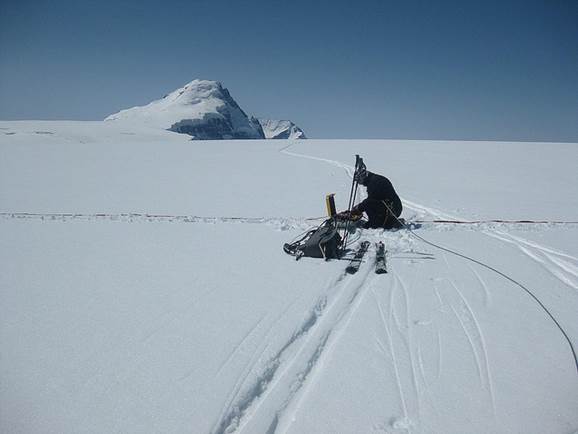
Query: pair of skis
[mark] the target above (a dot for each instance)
(380, 262)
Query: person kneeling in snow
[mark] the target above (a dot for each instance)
(382, 206)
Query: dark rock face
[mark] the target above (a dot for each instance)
(207, 128)
(228, 122)
(281, 129)
(215, 127)
(257, 125)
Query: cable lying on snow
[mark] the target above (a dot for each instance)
(489, 267)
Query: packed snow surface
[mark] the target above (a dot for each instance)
(144, 288)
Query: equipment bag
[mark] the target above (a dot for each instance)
(321, 242)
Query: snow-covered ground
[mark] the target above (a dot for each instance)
(144, 288)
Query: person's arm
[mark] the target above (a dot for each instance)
(359, 208)
(356, 211)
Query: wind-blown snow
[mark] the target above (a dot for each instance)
(144, 288)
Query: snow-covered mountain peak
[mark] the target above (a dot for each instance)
(203, 109)
(196, 91)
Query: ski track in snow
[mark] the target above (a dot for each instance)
(232, 412)
(473, 332)
(386, 327)
(403, 352)
(238, 401)
(343, 319)
(440, 354)
(429, 211)
(336, 320)
(350, 170)
(406, 333)
(487, 294)
(562, 266)
(278, 384)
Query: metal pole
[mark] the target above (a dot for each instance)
(352, 195)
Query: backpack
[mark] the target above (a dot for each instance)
(321, 242)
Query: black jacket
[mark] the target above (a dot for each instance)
(379, 188)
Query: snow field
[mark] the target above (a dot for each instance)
(147, 291)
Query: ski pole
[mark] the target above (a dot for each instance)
(352, 194)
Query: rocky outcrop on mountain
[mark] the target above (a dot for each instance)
(281, 129)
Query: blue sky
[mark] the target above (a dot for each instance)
(496, 70)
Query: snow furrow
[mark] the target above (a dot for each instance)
(434, 212)
(440, 354)
(473, 332)
(286, 372)
(400, 351)
(541, 247)
(487, 294)
(549, 259)
(477, 332)
(289, 390)
(231, 412)
(346, 167)
(393, 357)
(408, 344)
(471, 342)
(237, 408)
(464, 323)
(421, 365)
(333, 327)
